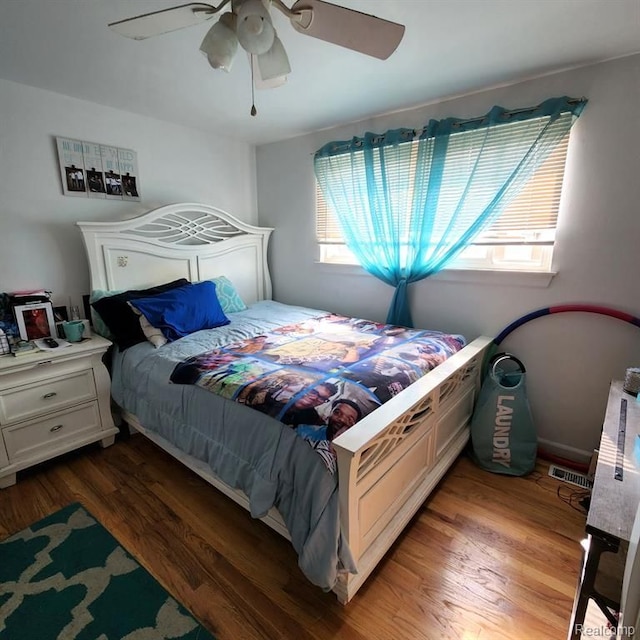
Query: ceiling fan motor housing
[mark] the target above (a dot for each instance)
(254, 27)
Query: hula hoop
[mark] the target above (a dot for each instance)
(563, 308)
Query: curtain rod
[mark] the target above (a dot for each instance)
(419, 132)
(512, 112)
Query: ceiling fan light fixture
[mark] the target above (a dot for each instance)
(254, 27)
(221, 43)
(274, 64)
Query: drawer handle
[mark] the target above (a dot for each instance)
(44, 362)
(46, 396)
(56, 428)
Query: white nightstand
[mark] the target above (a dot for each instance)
(52, 402)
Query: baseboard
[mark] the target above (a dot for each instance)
(564, 451)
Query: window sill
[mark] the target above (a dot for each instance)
(537, 279)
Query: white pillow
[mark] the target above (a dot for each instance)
(151, 333)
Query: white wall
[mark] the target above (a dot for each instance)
(570, 357)
(40, 246)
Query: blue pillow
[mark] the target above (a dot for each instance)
(181, 311)
(230, 299)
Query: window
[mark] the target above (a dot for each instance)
(521, 239)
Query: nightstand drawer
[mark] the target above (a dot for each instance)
(45, 396)
(26, 440)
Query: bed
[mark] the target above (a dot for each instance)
(387, 464)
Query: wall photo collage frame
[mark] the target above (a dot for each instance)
(94, 170)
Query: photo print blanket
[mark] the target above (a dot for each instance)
(322, 375)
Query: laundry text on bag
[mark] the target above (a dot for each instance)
(502, 431)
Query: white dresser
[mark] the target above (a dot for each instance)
(52, 402)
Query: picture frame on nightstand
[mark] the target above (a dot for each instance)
(35, 320)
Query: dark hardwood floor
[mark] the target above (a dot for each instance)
(486, 558)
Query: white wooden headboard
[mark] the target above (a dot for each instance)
(184, 240)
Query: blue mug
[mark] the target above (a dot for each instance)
(73, 330)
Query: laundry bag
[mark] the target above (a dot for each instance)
(503, 435)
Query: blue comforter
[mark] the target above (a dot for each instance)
(247, 449)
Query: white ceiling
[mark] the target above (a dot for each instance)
(450, 47)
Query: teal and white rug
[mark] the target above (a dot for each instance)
(67, 578)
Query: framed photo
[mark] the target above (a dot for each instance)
(60, 314)
(35, 320)
(71, 167)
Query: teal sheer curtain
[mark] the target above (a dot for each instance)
(409, 201)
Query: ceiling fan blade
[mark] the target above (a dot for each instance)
(348, 28)
(159, 22)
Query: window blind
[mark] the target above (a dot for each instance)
(530, 218)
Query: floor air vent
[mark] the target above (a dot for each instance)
(570, 476)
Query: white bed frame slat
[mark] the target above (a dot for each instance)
(389, 462)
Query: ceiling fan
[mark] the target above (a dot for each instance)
(249, 24)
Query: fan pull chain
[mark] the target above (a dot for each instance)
(254, 111)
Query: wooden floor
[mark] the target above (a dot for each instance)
(487, 557)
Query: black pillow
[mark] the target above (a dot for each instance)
(123, 323)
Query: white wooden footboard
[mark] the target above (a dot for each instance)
(391, 460)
